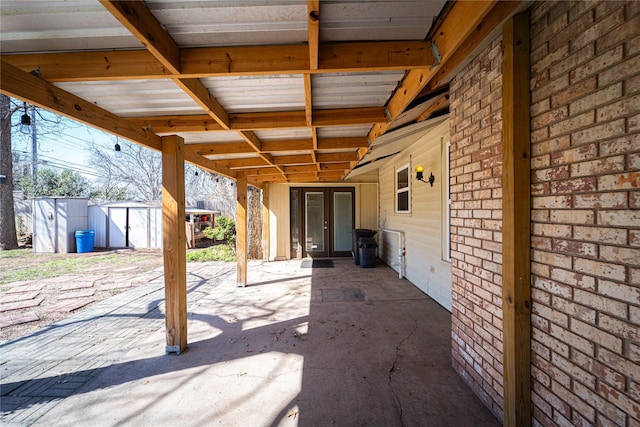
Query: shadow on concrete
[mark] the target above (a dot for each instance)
(340, 346)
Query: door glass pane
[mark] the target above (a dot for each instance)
(342, 221)
(295, 221)
(314, 221)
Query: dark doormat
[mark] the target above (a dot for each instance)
(317, 263)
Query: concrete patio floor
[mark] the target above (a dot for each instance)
(298, 346)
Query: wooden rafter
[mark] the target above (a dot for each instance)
(463, 17)
(313, 30)
(19, 84)
(433, 107)
(464, 27)
(15, 82)
(498, 14)
(137, 18)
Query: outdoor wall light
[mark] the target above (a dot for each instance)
(420, 176)
(25, 122)
(118, 150)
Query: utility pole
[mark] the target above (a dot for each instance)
(34, 143)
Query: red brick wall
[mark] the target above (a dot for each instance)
(476, 224)
(585, 125)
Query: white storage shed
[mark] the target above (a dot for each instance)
(55, 221)
(126, 225)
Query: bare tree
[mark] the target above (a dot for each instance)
(137, 168)
(44, 124)
(254, 219)
(8, 237)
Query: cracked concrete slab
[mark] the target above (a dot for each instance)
(265, 355)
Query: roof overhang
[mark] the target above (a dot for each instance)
(281, 91)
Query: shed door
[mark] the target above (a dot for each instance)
(44, 225)
(117, 228)
(138, 227)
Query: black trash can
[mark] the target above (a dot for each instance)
(367, 251)
(356, 234)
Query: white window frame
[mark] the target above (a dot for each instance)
(407, 189)
(446, 198)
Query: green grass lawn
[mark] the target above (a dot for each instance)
(24, 264)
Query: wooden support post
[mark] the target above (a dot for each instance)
(241, 229)
(266, 231)
(174, 243)
(516, 229)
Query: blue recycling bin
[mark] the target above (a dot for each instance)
(84, 241)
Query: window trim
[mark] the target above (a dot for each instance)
(403, 190)
(446, 198)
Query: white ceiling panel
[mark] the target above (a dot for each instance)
(211, 137)
(359, 20)
(343, 131)
(282, 134)
(342, 90)
(229, 23)
(136, 98)
(45, 26)
(258, 93)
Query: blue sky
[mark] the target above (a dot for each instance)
(67, 148)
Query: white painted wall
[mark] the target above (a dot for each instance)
(423, 227)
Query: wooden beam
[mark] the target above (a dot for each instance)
(342, 143)
(334, 166)
(174, 243)
(433, 107)
(171, 124)
(91, 66)
(313, 29)
(211, 165)
(241, 230)
(314, 141)
(266, 226)
(245, 60)
(196, 90)
(270, 120)
(308, 104)
(303, 145)
(219, 148)
(374, 56)
(349, 116)
(516, 222)
(246, 162)
(336, 157)
(27, 87)
(299, 159)
(463, 17)
(300, 169)
(287, 145)
(136, 17)
(494, 19)
(260, 121)
(270, 170)
(227, 61)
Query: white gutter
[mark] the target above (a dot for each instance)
(401, 250)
